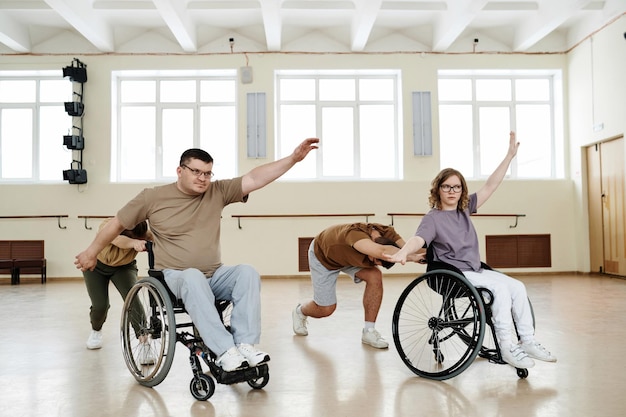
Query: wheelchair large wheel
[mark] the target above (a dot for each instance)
(439, 324)
(148, 331)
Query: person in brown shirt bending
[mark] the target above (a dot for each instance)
(356, 249)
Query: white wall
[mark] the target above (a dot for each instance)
(551, 206)
(597, 95)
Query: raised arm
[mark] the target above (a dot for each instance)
(86, 260)
(262, 175)
(494, 180)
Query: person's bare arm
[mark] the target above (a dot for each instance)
(494, 180)
(262, 175)
(411, 251)
(126, 242)
(373, 249)
(86, 260)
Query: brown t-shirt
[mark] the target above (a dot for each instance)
(186, 228)
(334, 246)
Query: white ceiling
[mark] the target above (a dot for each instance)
(206, 26)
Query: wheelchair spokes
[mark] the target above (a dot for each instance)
(437, 325)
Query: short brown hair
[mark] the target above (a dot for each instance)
(140, 231)
(386, 241)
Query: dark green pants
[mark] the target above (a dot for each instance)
(97, 282)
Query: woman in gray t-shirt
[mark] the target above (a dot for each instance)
(448, 230)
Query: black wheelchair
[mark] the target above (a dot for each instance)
(440, 323)
(150, 328)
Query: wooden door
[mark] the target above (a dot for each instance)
(613, 213)
(607, 207)
(594, 201)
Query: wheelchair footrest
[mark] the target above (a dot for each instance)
(240, 375)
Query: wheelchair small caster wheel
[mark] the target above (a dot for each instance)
(260, 382)
(202, 387)
(522, 373)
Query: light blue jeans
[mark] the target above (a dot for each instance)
(240, 284)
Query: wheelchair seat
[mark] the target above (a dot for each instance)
(151, 324)
(440, 323)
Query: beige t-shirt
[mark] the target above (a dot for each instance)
(186, 229)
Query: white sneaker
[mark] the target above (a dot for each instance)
(145, 355)
(516, 357)
(253, 356)
(299, 322)
(231, 360)
(373, 338)
(536, 351)
(95, 340)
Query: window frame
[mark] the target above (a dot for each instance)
(35, 106)
(198, 76)
(320, 105)
(555, 102)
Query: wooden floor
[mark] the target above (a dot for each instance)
(45, 369)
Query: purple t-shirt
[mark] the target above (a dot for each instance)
(452, 236)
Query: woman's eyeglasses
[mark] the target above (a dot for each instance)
(446, 188)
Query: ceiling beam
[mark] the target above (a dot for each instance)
(176, 17)
(272, 23)
(549, 17)
(79, 14)
(13, 35)
(454, 21)
(363, 22)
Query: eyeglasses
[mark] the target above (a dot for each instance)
(197, 172)
(446, 188)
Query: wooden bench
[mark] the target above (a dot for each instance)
(6, 261)
(22, 257)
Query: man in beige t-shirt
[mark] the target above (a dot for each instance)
(185, 218)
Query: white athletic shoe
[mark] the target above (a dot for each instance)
(253, 356)
(231, 360)
(95, 340)
(373, 338)
(299, 322)
(536, 351)
(145, 355)
(516, 357)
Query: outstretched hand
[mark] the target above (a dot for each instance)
(396, 258)
(85, 262)
(513, 144)
(304, 148)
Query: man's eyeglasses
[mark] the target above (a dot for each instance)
(197, 172)
(454, 188)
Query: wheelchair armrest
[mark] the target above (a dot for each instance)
(156, 273)
(485, 266)
(431, 266)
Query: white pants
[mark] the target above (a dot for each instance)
(240, 284)
(510, 303)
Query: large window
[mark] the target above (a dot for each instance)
(354, 113)
(478, 109)
(160, 114)
(32, 124)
